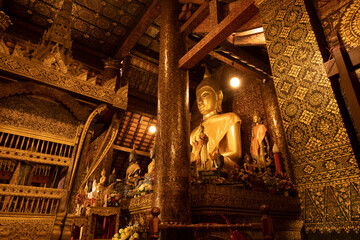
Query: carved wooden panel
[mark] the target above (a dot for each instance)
(29, 228)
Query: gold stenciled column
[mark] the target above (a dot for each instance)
(172, 166)
(275, 125)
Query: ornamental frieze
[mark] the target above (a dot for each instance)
(30, 70)
(30, 228)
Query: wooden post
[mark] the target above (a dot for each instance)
(154, 224)
(267, 224)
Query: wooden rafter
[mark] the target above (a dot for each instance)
(199, 15)
(186, 11)
(191, 1)
(146, 20)
(227, 26)
(246, 56)
(249, 40)
(136, 131)
(214, 12)
(126, 149)
(146, 131)
(238, 65)
(151, 140)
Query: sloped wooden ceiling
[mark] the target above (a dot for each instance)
(133, 132)
(98, 24)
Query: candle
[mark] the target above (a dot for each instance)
(277, 159)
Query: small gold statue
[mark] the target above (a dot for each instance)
(260, 146)
(151, 165)
(218, 133)
(102, 179)
(112, 177)
(133, 171)
(248, 165)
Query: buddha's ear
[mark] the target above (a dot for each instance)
(220, 97)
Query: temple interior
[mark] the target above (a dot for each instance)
(179, 119)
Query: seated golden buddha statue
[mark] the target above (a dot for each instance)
(218, 133)
(133, 171)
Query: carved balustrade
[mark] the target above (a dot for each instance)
(20, 147)
(29, 200)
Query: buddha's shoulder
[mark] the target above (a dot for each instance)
(230, 115)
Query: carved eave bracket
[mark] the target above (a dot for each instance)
(5, 21)
(25, 69)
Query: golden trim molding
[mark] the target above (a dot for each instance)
(29, 191)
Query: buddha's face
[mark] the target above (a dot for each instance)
(256, 119)
(206, 100)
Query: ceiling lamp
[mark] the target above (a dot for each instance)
(152, 129)
(235, 82)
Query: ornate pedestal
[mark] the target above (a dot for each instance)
(103, 212)
(81, 222)
(215, 204)
(136, 210)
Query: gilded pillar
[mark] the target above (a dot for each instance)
(172, 167)
(325, 168)
(274, 123)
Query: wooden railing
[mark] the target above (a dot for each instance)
(29, 200)
(266, 225)
(35, 150)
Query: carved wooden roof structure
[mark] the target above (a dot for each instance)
(112, 28)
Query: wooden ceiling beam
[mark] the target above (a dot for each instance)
(192, 1)
(129, 150)
(136, 104)
(146, 20)
(227, 26)
(246, 56)
(249, 40)
(186, 12)
(199, 15)
(214, 15)
(238, 65)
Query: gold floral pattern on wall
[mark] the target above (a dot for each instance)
(324, 165)
(350, 25)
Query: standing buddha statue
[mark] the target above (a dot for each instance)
(151, 166)
(260, 147)
(218, 133)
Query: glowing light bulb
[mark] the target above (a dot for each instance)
(152, 129)
(235, 82)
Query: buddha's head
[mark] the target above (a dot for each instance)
(209, 96)
(257, 118)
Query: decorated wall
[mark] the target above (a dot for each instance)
(324, 165)
(343, 18)
(30, 112)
